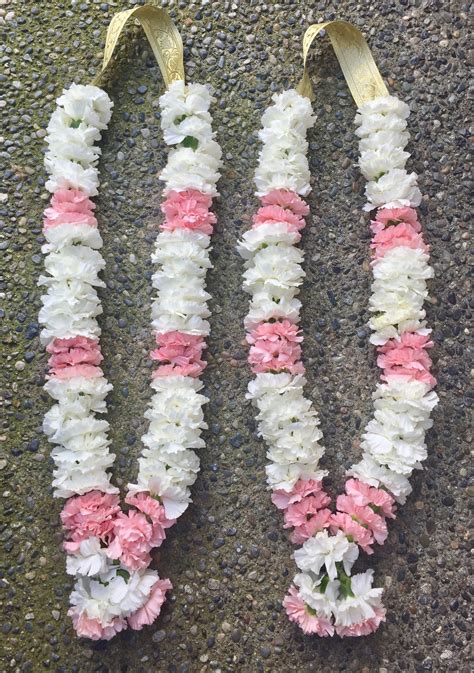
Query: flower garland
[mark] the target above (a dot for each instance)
(325, 598)
(109, 549)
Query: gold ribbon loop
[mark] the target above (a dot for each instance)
(162, 35)
(354, 56)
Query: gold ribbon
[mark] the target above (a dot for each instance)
(354, 56)
(162, 35)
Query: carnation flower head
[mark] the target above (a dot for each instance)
(77, 350)
(363, 494)
(398, 235)
(285, 198)
(180, 353)
(188, 209)
(353, 530)
(155, 512)
(90, 515)
(150, 611)
(275, 347)
(300, 490)
(318, 522)
(387, 217)
(87, 627)
(365, 516)
(299, 513)
(269, 214)
(70, 206)
(132, 542)
(303, 615)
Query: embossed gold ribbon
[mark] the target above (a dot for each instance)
(354, 56)
(162, 35)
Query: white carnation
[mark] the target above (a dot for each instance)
(264, 235)
(324, 550)
(66, 174)
(309, 590)
(86, 103)
(275, 267)
(90, 559)
(70, 234)
(394, 189)
(374, 163)
(362, 604)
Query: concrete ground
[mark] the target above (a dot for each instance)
(228, 557)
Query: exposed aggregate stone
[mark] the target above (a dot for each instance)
(228, 557)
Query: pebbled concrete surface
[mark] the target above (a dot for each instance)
(229, 558)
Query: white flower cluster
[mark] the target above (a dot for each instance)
(341, 599)
(182, 257)
(382, 129)
(273, 276)
(168, 466)
(340, 608)
(71, 304)
(81, 454)
(288, 423)
(186, 122)
(398, 293)
(116, 594)
(75, 126)
(394, 440)
(283, 162)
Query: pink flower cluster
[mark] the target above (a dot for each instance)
(305, 509)
(70, 206)
(77, 356)
(282, 205)
(129, 537)
(407, 356)
(188, 210)
(180, 352)
(275, 346)
(394, 227)
(361, 512)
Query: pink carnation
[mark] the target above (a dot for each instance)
(132, 541)
(155, 513)
(300, 490)
(149, 612)
(364, 628)
(364, 515)
(399, 235)
(299, 513)
(353, 530)
(272, 214)
(362, 494)
(77, 350)
(304, 616)
(275, 347)
(92, 628)
(188, 210)
(69, 206)
(90, 515)
(398, 358)
(88, 371)
(180, 352)
(315, 524)
(393, 216)
(286, 199)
